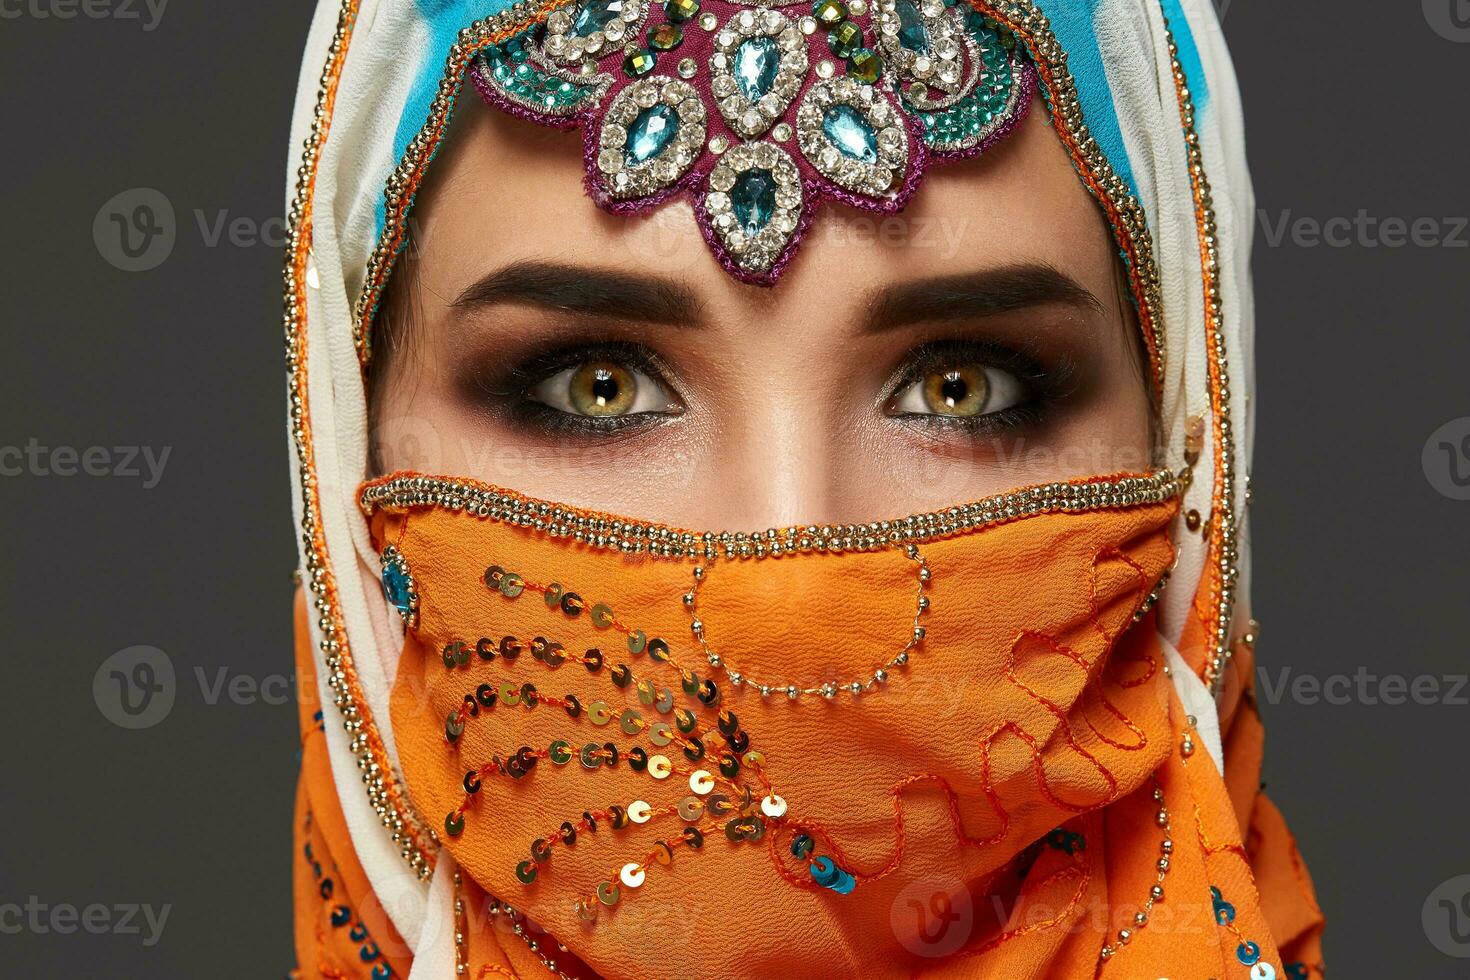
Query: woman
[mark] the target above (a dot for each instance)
(979, 703)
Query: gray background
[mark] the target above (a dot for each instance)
(1359, 561)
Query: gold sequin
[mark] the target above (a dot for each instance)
(608, 893)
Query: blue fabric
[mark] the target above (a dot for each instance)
(1072, 23)
(1189, 59)
(445, 19)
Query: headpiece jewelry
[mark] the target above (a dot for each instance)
(761, 112)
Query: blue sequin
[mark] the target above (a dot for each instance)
(1224, 911)
(850, 133)
(651, 131)
(756, 63)
(753, 199)
(826, 873)
(1248, 953)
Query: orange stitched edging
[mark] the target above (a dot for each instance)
(416, 159)
(297, 357)
(1222, 495)
(1142, 296)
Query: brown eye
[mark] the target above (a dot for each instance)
(964, 391)
(959, 391)
(603, 389)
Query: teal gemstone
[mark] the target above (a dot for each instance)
(753, 199)
(912, 32)
(651, 131)
(850, 132)
(396, 586)
(756, 63)
(594, 15)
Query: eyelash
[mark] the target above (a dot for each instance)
(1044, 387)
(512, 388)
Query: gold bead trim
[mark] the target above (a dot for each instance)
(598, 530)
(1125, 212)
(1156, 890)
(367, 746)
(1221, 525)
(403, 183)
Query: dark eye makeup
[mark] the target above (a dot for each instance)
(597, 388)
(975, 386)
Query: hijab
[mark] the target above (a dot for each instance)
(1142, 94)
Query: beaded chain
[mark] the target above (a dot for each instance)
(1156, 891)
(494, 908)
(828, 689)
(835, 878)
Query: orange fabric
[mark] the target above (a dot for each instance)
(1033, 703)
(341, 928)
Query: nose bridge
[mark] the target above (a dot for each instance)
(778, 461)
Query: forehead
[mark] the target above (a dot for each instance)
(505, 190)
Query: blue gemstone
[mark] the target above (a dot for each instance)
(756, 63)
(912, 32)
(753, 199)
(594, 15)
(396, 587)
(651, 131)
(850, 132)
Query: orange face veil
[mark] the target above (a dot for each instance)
(1058, 777)
(626, 745)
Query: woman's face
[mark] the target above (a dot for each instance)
(976, 342)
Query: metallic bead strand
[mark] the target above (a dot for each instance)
(828, 689)
(1156, 892)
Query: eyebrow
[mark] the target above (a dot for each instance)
(969, 295)
(588, 291)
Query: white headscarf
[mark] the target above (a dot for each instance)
(378, 82)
